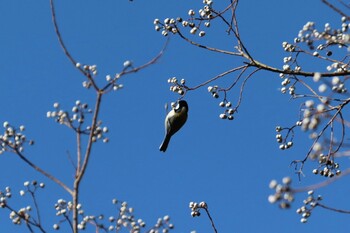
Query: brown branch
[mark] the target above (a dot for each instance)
(59, 37)
(263, 66)
(80, 173)
(91, 136)
(78, 167)
(258, 64)
(65, 50)
(51, 177)
(232, 5)
(243, 52)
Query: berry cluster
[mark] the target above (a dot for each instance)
(62, 207)
(285, 84)
(309, 204)
(113, 81)
(79, 112)
(76, 119)
(162, 224)
(24, 213)
(91, 72)
(92, 69)
(311, 119)
(213, 90)
(195, 208)
(312, 114)
(286, 141)
(337, 85)
(13, 139)
(194, 23)
(289, 63)
(4, 195)
(31, 187)
(178, 87)
(283, 193)
(229, 111)
(65, 208)
(124, 219)
(318, 44)
(327, 168)
(310, 35)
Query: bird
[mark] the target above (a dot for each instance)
(174, 120)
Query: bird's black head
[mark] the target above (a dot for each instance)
(183, 104)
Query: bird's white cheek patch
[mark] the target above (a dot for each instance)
(177, 106)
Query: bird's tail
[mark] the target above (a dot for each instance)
(165, 143)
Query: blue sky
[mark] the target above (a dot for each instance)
(228, 164)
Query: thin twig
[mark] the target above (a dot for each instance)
(339, 109)
(218, 76)
(242, 48)
(154, 60)
(211, 220)
(36, 206)
(237, 79)
(333, 209)
(344, 4)
(71, 160)
(78, 134)
(322, 184)
(242, 87)
(108, 87)
(207, 47)
(335, 9)
(29, 227)
(69, 221)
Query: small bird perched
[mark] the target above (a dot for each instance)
(174, 120)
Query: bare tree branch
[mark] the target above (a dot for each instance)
(66, 52)
(48, 175)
